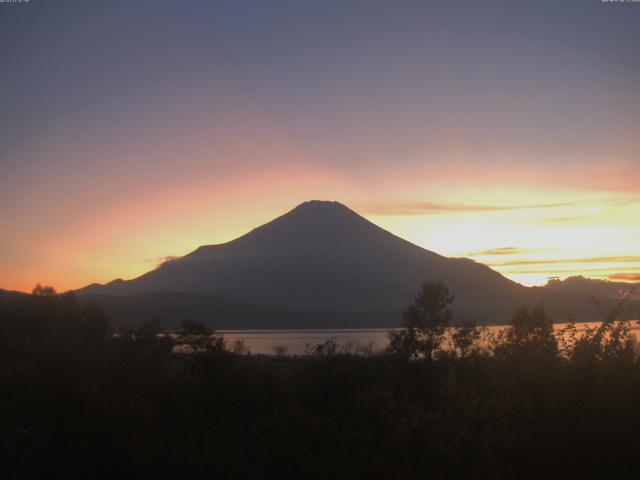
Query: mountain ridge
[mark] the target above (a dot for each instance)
(322, 256)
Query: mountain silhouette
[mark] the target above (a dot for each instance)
(319, 262)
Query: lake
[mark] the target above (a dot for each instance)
(295, 342)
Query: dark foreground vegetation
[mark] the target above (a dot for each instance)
(79, 399)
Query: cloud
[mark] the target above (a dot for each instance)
(593, 272)
(555, 261)
(625, 277)
(497, 251)
(426, 208)
(164, 260)
(564, 220)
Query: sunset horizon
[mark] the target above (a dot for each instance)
(486, 131)
(524, 256)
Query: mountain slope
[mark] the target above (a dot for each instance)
(321, 255)
(319, 262)
(220, 313)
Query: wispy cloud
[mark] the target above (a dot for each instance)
(160, 261)
(625, 277)
(563, 220)
(591, 272)
(497, 251)
(427, 208)
(555, 261)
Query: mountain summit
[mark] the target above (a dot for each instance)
(312, 224)
(319, 260)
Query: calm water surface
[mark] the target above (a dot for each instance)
(295, 342)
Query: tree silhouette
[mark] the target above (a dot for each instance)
(424, 323)
(466, 339)
(44, 291)
(199, 337)
(530, 334)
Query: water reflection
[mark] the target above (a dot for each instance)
(296, 342)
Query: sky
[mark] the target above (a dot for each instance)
(504, 131)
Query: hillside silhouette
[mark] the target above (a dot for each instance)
(85, 399)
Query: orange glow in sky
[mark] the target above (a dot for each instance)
(572, 233)
(501, 134)
(116, 211)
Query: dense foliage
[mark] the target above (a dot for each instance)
(80, 399)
